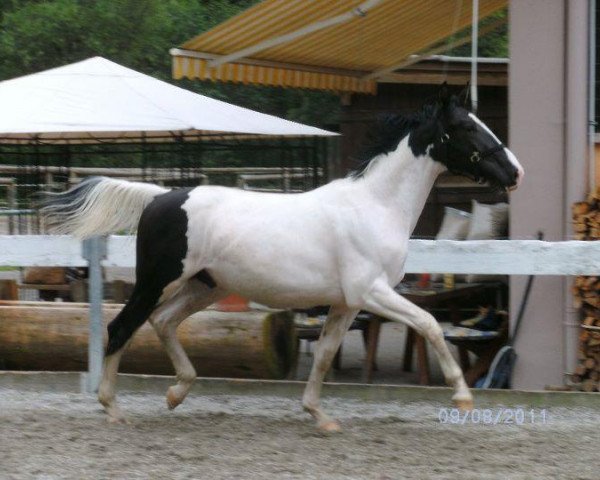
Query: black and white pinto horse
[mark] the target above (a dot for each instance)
(343, 244)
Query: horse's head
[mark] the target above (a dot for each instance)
(465, 145)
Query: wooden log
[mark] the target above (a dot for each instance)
(594, 342)
(45, 275)
(9, 290)
(580, 370)
(580, 208)
(589, 385)
(586, 294)
(589, 363)
(54, 336)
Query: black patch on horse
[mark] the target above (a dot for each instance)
(160, 249)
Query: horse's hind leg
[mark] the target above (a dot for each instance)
(161, 249)
(120, 330)
(337, 324)
(194, 296)
(106, 390)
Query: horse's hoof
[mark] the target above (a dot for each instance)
(330, 427)
(465, 405)
(122, 420)
(172, 398)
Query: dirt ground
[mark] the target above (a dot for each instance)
(49, 436)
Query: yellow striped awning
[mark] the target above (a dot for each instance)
(336, 45)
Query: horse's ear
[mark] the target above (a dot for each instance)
(444, 94)
(463, 97)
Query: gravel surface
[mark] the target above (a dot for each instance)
(66, 436)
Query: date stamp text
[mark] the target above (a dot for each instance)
(495, 416)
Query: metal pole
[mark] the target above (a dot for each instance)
(474, 55)
(94, 250)
(315, 162)
(592, 94)
(11, 194)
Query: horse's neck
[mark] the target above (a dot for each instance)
(402, 182)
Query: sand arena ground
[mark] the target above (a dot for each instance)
(55, 435)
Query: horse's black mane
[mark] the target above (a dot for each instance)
(386, 134)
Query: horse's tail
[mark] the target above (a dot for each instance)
(98, 206)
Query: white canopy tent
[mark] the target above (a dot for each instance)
(98, 100)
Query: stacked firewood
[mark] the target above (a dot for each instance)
(586, 218)
(586, 290)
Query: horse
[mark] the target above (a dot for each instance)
(343, 244)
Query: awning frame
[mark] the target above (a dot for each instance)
(181, 52)
(357, 12)
(274, 45)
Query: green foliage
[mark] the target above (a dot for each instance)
(493, 44)
(36, 35)
(137, 33)
(39, 34)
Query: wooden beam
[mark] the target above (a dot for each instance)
(436, 78)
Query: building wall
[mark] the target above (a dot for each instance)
(551, 151)
(359, 114)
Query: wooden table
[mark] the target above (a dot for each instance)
(425, 298)
(484, 349)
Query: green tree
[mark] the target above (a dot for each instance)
(38, 35)
(492, 44)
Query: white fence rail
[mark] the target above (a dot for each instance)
(514, 257)
(510, 257)
(507, 257)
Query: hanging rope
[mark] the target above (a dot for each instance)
(455, 20)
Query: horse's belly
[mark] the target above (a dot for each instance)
(280, 288)
(298, 299)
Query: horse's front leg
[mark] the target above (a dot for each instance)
(382, 300)
(337, 324)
